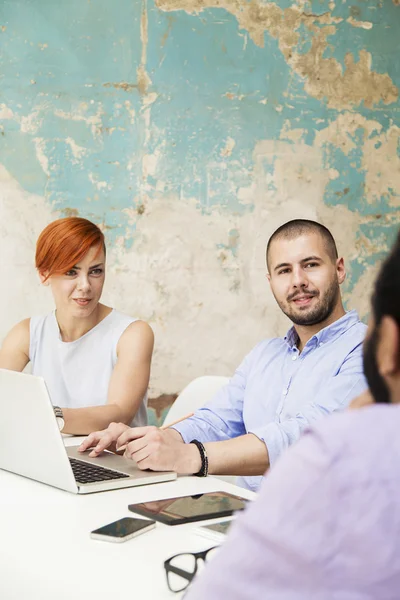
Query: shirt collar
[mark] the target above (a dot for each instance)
(327, 334)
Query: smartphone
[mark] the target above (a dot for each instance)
(122, 530)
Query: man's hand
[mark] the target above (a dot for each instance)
(159, 450)
(102, 440)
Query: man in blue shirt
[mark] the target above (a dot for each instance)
(326, 524)
(282, 385)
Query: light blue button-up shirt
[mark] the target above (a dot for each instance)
(277, 391)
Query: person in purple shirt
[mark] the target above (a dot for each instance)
(282, 385)
(326, 524)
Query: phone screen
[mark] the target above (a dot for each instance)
(123, 527)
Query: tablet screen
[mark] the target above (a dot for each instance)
(174, 511)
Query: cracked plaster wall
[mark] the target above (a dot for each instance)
(190, 130)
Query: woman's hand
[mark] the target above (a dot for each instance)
(102, 440)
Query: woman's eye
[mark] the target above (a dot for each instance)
(96, 272)
(70, 273)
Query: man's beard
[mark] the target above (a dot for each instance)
(376, 383)
(320, 313)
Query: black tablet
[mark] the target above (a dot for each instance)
(176, 511)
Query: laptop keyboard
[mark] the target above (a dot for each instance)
(87, 473)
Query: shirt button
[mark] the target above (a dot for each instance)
(294, 357)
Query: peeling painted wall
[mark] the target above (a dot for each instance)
(190, 130)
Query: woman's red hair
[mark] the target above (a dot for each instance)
(64, 243)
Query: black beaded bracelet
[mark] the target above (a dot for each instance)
(204, 460)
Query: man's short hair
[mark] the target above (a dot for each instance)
(298, 227)
(386, 295)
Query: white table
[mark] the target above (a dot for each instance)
(46, 552)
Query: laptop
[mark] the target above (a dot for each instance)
(32, 445)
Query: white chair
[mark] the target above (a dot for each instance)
(194, 396)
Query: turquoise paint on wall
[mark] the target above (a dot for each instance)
(81, 126)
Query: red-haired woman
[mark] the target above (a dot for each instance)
(94, 359)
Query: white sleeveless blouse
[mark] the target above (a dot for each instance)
(77, 374)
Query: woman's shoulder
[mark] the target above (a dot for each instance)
(20, 331)
(137, 334)
(14, 352)
(37, 322)
(129, 332)
(129, 325)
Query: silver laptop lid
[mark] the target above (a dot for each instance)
(30, 441)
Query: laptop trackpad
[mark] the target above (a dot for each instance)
(108, 460)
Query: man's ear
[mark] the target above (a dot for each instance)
(388, 351)
(44, 277)
(268, 277)
(341, 270)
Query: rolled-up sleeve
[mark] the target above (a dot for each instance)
(335, 394)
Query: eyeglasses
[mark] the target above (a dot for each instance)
(181, 568)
